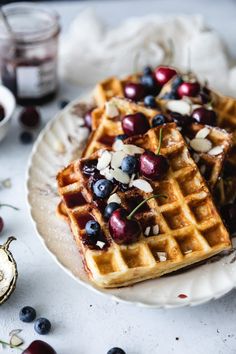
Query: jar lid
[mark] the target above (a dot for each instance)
(29, 23)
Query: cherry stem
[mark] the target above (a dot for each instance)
(11, 346)
(143, 202)
(9, 206)
(160, 141)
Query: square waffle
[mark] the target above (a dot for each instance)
(190, 228)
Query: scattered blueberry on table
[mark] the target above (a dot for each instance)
(42, 326)
(27, 314)
(26, 137)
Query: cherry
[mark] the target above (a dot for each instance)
(153, 166)
(228, 212)
(2, 113)
(122, 229)
(1, 224)
(134, 91)
(134, 124)
(30, 117)
(204, 116)
(88, 118)
(163, 74)
(39, 347)
(190, 89)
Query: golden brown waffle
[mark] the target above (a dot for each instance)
(190, 227)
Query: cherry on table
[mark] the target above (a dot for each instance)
(134, 91)
(204, 116)
(163, 74)
(134, 124)
(189, 89)
(39, 347)
(30, 117)
(153, 166)
(122, 229)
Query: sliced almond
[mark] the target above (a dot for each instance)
(120, 176)
(114, 198)
(215, 151)
(162, 256)
(132, 149)
(201, 134)
(188, 251)
(118, 145)
(117, 158)
(147, 231)
(100, 244)
(131, 180)
(111, 109)
(15, 341)
(178, 106)
(143, 185)
(104, 160)
(201, 145)
(107, 173)
(156, 229)
(196, 157)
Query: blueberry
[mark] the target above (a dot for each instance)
(150, 101)
(150, 84)
(42, 326)
(176, 82)
(147, 70)
(129, 164)
(109, 209)
(159, 119)
(116, 351)
(26, 137)
(92, 228)
(63, 103)
(102, 188)
(179, 119)
(121, 137)
(27, 314)
(170, 96)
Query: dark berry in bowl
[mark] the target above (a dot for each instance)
(26, 137)
(92, 228)
(30, 117)
(110, 208)
(157, 120)
(39, 347)
(102, 188)
(130, 164)
(150, 101)
(116, 350)
(134, 91)
(27, 314)
(42, 326)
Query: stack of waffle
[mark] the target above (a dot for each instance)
(177, 231)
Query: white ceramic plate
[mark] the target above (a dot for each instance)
(60, 142)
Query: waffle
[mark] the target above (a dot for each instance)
(190, 227)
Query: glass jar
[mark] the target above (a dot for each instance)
(28, 53)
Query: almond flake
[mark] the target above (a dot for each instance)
(104, 160)
(215, 151)
(142, 185)
(100, 244)
(155, 229)
(111, 109)
(147, 231)
(107, 173)
(162, 256)
(118, 145)
(15, 341)
(187, 252)
(114, 198)
(117, 158)
(178, 106)
(201, 134)
(201, 145)
(120, 176)
(131, 179)
(196, 157)
(132, 149)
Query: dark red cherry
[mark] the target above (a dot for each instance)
(163, 74)
(134, 91)
(134, 124)
(228, 212)
(39, 347)
(190, 89)
(153, 166)
(122, 229)
(204, 116)
(30, 117)
(88, 118)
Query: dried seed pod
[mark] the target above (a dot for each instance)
(8, 271)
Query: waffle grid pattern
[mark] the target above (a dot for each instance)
(190, 227)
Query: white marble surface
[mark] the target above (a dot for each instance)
(84, 322)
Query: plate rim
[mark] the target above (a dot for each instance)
(185, 303)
